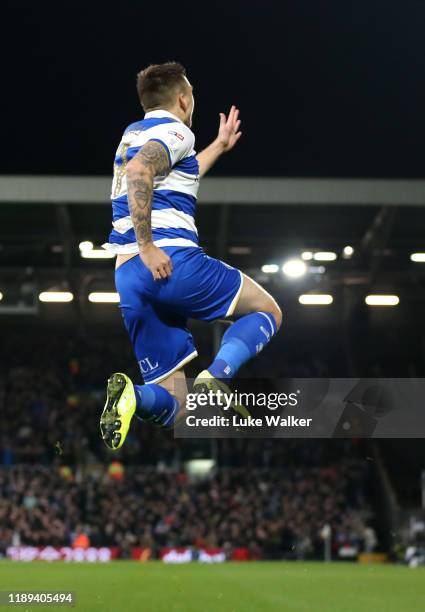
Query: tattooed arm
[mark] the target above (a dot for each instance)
(150, 161)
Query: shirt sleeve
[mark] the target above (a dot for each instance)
(177, 139)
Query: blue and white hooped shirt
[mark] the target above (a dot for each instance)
(174, 196)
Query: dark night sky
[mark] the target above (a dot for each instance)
(325, 87)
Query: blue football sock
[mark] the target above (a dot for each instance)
(156, 404)
(241, 342)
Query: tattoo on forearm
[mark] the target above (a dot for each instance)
(140, 188)
(140, 204)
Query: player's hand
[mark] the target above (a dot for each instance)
(156, 261)
(228, 131)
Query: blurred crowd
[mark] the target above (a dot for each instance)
(275, 513)
(273, 496)
(52, 396)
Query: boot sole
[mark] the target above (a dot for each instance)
(110, 419)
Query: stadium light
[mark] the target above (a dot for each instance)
(348, 252)
(307, 255)
(1, 296)
(56, 296)
(382, 300)
(324, 256)
(294, 268)
(270, 268)
(199, 468)
(86, 245)
(418, 257)
(316, 269)
(104, 297)
(97, 254)
(240, 250)
(315, 299)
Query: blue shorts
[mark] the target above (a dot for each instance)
(155, 312)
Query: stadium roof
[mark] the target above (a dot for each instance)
(246, 222)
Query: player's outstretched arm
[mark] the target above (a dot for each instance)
(150, 161)
(228, 135)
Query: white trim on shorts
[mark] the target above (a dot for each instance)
(177, 367)
(235, 300)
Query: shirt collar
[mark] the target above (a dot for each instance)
(155, 114)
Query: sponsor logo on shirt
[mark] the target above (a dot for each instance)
(179, 136)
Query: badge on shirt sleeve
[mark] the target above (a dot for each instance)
(177, 134)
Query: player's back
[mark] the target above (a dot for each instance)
(174, 195)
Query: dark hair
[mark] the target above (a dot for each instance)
(158, 83)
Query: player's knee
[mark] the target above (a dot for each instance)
(278, 317)
(271, 306)
(276, 312)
